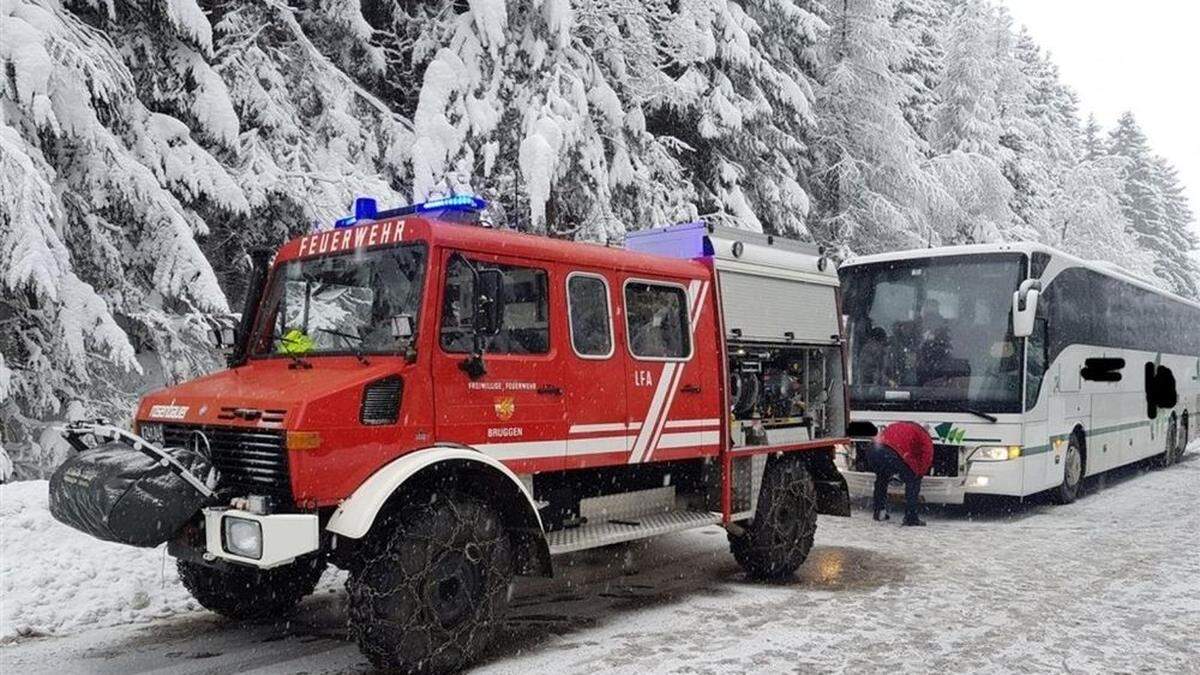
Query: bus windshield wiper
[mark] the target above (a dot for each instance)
(991, 418)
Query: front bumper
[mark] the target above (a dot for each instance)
(994, 478)
(934, 490)
(284, 536)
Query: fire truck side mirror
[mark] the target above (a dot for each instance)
(401, 326)
(489, 301)
(224, 338)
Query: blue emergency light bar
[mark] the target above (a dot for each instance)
(366, 208)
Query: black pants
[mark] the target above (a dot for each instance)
(886, 463)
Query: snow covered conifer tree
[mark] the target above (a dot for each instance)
(870, 186)
(1145, 183)
(921, 25)
(739, 105)
(1176, 264)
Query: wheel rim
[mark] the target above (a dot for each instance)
(1074, 468)
(453, 587)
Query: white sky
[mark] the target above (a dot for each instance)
(1118, 56)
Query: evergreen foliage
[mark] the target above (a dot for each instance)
(147, 146)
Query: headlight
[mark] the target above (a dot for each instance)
(243, 537)
(996, 453)
(151, 432)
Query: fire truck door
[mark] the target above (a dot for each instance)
(595, 373)
(515, 409)
(671, 390)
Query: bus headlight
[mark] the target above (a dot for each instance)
(996, 453)
(243, 537)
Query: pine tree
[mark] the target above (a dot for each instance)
(868, 179)
(1176, 265)
(1141, 197)
(921, 25)
(1092, 145)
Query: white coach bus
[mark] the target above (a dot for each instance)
(1031, 368)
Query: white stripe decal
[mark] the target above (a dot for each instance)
(595, 446)
(658, 428)
(652, 415)
(596, 428)
(696, 291)
(690, 439)
(691, 424)
(523, 450)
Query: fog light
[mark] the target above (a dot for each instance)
(243, 537)
(980, 481)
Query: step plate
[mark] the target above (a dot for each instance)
(603, 534)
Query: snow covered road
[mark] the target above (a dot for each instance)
(1110, 583)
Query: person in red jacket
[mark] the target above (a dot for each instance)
(902, 449)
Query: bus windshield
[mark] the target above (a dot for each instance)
(934, 333)
(341, 304)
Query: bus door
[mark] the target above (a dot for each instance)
(514, 409)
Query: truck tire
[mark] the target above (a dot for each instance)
(777, 540)
(1073, 470)
(433, 587)
(246, 593)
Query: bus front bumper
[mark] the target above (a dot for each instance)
(997, 478)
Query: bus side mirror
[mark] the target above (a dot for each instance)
(1024, 310)
(489, 302)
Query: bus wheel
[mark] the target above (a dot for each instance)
(246, 593)
(1170, 453)
(777, 540)
(433, 587)
(1072, 473)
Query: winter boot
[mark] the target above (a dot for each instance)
(913, 521)
(881, 515)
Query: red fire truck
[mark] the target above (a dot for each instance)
(437, 406)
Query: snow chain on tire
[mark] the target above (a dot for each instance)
(245, 593)
(433, 587)
(780, 536)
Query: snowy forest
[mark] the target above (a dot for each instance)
(147, 145)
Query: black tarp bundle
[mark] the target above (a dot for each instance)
(116, 493)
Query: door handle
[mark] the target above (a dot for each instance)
(550, 390)
(691, 389)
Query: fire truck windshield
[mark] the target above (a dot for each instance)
(934, 334)
(341, 304)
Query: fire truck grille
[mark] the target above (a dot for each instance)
(250, 461)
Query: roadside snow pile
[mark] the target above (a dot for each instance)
(55, 580)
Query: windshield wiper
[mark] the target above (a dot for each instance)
(297, 360)
(991, 418)
(358, 350)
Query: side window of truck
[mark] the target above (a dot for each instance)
(589, 315)
(525, 328)
(657, 321)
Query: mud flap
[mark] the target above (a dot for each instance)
(118, 493)
(833, 496)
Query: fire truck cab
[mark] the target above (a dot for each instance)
(436, 406)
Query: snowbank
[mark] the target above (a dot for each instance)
(55, 580)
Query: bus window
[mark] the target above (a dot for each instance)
(935, 333)
(1035, 363)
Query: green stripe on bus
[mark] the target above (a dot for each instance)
(1039, 449)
